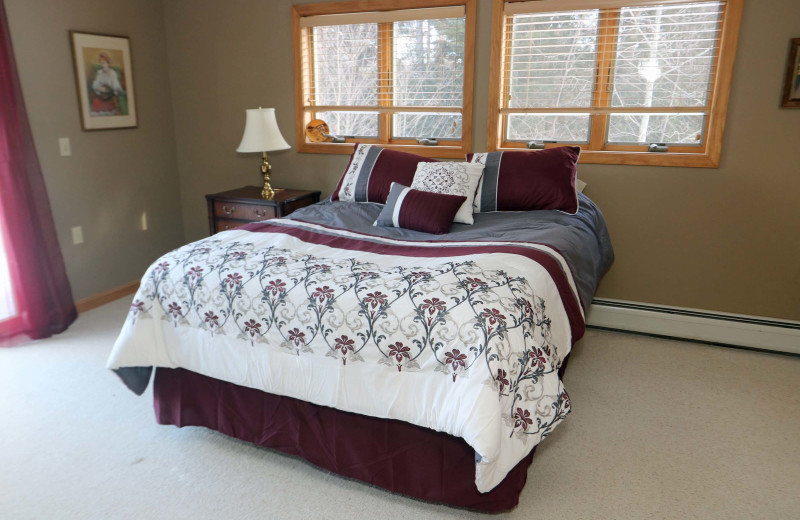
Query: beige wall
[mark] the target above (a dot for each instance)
(112, 176)
(725, 239)
(721, 239)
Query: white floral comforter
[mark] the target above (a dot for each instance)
(464, 338)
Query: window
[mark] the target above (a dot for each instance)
(386, 75)
(631, 82)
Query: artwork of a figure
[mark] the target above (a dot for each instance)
(106, 89)
(104, 75)
(791, 89)
(796, 91)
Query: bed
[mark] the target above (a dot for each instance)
(429, 365)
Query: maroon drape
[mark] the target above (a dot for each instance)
(41, 289)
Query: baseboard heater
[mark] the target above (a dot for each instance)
(718, 328)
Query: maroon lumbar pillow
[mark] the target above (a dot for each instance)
(419, 210)
(371, 172)
(528, 180)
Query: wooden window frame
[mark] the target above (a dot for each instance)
(597, 151)
(446, 149)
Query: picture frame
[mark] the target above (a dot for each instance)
(104, 79)
(791, 87)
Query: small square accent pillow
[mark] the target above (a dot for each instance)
(419, 210)
(452, 178)
(372, 170)
(523, 181)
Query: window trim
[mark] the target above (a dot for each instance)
(445, 149)
(684, 156)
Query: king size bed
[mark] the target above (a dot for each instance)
(429, 365)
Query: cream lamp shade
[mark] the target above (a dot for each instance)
(261, 133)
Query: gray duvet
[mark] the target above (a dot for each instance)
(582, 238)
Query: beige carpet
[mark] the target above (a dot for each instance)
(660, 429)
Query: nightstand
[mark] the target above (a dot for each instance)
(234, 208)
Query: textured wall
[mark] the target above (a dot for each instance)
(114, 175)
(225, 57)
(723, 239)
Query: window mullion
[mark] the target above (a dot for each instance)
(385, 66)
(505, 94)
(309, 85)
(606, 49)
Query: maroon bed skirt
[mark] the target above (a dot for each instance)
(394, 455)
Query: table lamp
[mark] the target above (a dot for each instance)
(261, 134)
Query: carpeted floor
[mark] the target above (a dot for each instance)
(659, 429)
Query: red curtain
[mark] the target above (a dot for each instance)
(39, 282)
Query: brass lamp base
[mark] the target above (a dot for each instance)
(267, 192)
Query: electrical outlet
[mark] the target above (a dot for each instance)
(143, 221)
(64, 147)
(77, 235)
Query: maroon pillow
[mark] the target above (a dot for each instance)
(528, 180)
(419, 210)
(371, 172)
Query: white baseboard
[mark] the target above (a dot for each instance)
(712, 327)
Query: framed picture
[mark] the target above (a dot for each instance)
(791, 89)
(104, 77)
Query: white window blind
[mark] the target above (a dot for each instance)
(645, 72)
(405, 66)
(398, 15)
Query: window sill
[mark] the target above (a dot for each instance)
(684, 160)
(439, 152)
(676, 159)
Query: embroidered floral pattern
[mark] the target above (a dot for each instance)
(211, 319)
(460, 318)
(442, 177)
(233, 279)
(452, 178)
(502, 379)
(456, 360)
(276, 287)
(433, 305)
(399, 352)
(375, 299)
(174, 309)
(323, 293)
(297, 337)
(522, 418)
(350, 177)
(252, 327)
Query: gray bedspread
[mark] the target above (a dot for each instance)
(582, 238)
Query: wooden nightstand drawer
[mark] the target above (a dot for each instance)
(234, 208)
(223, 224)
(297, 204)
(242, 211)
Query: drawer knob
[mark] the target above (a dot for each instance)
(228, 211)
(260, 214)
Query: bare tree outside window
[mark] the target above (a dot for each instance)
(427, 71)
(346, 74)
(552, 65)
(665, 57)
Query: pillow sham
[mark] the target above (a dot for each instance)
(452, 178)
(419, 210)
(522, 181)
(371, 171)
